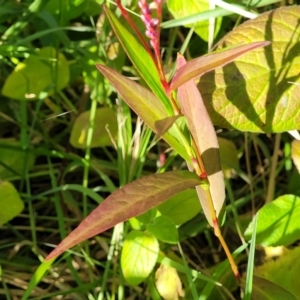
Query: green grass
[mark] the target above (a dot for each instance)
(60, 184)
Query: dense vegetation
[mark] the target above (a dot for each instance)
(68, 141)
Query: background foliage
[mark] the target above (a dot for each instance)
(67, 142)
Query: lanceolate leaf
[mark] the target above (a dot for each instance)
(253, 93)
(130, 201)
(207, 63)
(145, 104)
(206, 140)
(140, 58)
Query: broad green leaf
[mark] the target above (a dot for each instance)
(37, 76)
(278, 222)
(296, 154)
(140, 58)
(132, 200)
(266, 290)
(139, 255)
(182, 207)
(12, 161)
(284, 271)
(229, 156)
(253, 93)
(145, 104)
(209, 62)
(180, 9)
(206, 140)
(105, 127)
(168, 283)
(164, 229)
(10, 202)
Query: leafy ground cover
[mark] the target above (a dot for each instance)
(68, 140)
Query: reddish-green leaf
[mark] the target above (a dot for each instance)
(254, 92)
(207, 63)
(132, 200)
(140, 58)
(145, 104)
(206, 140)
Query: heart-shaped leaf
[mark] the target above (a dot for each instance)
(132, 200)
(34, 75)
(278, 222)
(164, 229)
(105, 128)
(139, 255)
(10, 202)
(253, 93)
(206, 140)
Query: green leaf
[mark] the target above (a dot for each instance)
(140, 58)
(14, 162)
(295, 153)
(132, 200)
(180, 9)
(37, 76)
(182, 207)
(229, 156)
(206, 140)
(105, 121)
(164, 229)
(266, 290)
(209, 62)
(139, 255)
(10, 202)
(253, 93)
(145, 104)
(283, 271)
(278, 222)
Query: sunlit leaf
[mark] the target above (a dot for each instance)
(295, 153)
(105, 128)
(209, 62)
(132, 200)
(206, 140)
(34, 76)
(278, 222)
(253, 93)
(180, 9)
(139, 255)
(10, 202)
(168, 283)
